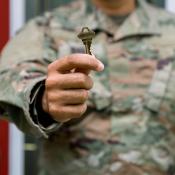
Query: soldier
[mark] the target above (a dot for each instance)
(125, 124)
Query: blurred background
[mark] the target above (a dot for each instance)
(19, 153)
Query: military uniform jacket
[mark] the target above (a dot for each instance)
(130, 125)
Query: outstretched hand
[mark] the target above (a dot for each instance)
(67, 86)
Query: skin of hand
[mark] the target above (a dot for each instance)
(67, 85)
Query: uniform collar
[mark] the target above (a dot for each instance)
(140, 22)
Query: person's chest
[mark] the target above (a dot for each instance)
(131, 64)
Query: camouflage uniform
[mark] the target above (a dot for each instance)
(129, 128)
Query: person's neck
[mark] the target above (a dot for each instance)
(115, 7)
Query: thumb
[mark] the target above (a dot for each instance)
(87, 71)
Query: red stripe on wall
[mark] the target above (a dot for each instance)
(4, 22)
(4, 130)
(3, 148)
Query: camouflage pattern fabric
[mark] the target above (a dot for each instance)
(129, 128)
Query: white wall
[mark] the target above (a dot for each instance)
(170, 5)
(16, 138)
(17, 15)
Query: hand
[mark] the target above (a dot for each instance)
(67, 86)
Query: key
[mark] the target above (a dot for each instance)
(86, 35)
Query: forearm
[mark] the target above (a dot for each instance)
(15, 94)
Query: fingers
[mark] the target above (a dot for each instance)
(76, 61)
(65, 113)
(65, 105)
(68, 97)
(65, 99)
(70, 81)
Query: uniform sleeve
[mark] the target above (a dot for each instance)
(23, 65)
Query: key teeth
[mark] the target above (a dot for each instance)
(88, 51)
(86, 35)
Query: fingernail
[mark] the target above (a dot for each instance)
(100, 66)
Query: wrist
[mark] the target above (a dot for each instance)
(43, 101)
(42, 110)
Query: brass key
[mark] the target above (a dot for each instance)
(86, 35)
